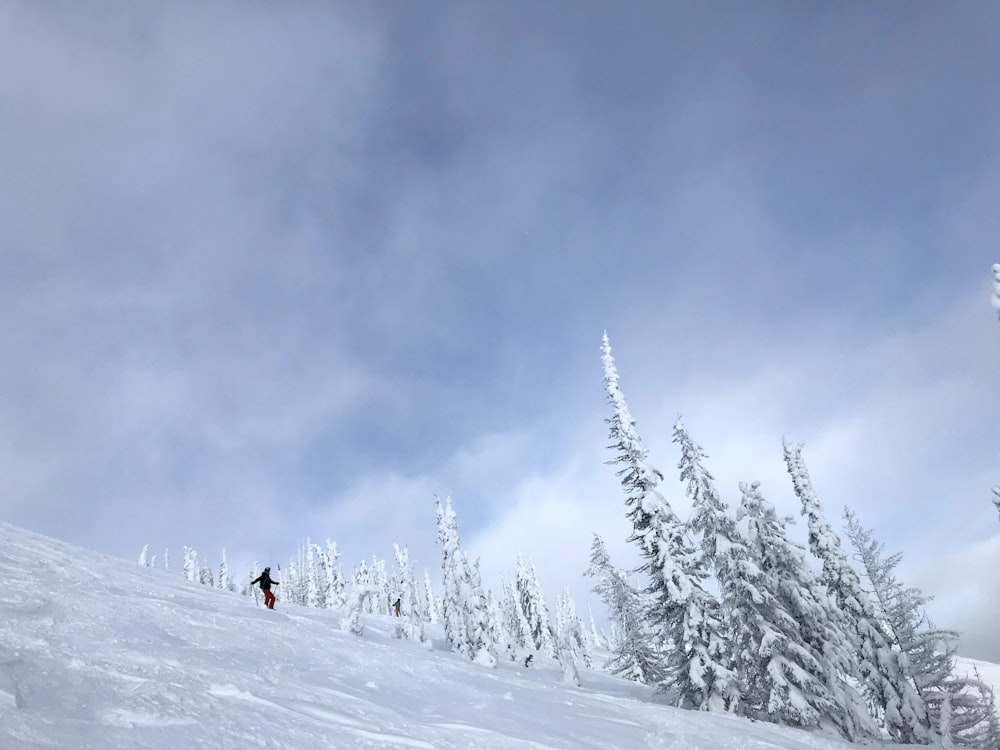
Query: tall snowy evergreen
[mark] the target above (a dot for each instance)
(362, 578)
(793, 652)
(930, 652)
(514, 621)
(536, 612)
(224, 581)
(315, 590)
(192, 570)
(411, 616)
(335, 584)
(432, 609)
(633, 655)
(144, 556)
(569, 630)
(724, 549)
(464, 606)
(681, 611)
(480, 615)
(889, 687)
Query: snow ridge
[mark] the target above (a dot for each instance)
(102, 653)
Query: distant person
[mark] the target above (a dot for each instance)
(265, 586)
(396, 605)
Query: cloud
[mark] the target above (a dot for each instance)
(272, 272)
(967, 602)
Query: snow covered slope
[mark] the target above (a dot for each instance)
(101, 653)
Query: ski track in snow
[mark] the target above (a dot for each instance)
(100, 653)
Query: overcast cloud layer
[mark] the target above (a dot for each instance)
(278, 270)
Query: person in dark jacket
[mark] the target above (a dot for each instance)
(396, 605)
(265, 585)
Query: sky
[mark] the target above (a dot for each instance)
(277, 271)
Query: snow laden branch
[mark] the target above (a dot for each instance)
(995, 298)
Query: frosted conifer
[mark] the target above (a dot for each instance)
(725, 551)
(532, 602)
(336, 586)
(632, 652)
(224, 582)
(930, 652)
(681, 611)
(433, 610)
(889, 687)
(795, 671)
(191, 568)
(463, 604)
(411, 614)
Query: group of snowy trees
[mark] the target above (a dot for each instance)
(515, 626)
(314, 577)
(476, 623)
(732, 616)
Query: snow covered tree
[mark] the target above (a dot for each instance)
(384, 582)
(293, 582)
(205, 577)
(412, 617)
(432, 609)
(224, 582)
(143, 556)
(504, 642)
(358, 597)
(463, 603)
(515, 624)
(191, 568)
(479, 615)
(793, 653)
(682, 613)
(988, 737)
(570, 630)
(723, 549)
(996, 497)
(889, 687)
(166, 560)
(596, 640)
(930, 652)
(632, 653)
(362, 578)
(315, 578)
(532, 601)
(336, 587)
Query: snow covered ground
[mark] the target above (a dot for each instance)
(101, 653)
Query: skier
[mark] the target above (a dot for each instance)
(396, 605)
(265, 586)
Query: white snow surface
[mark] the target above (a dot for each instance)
(102, 653)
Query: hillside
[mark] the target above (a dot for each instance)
(101, 653)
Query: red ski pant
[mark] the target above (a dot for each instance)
(268, 599)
